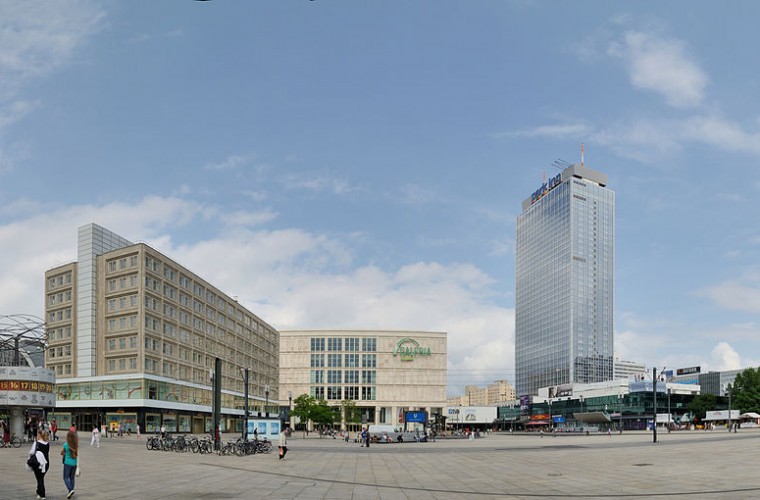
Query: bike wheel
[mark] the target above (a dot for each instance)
(16, 442)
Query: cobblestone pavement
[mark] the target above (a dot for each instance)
(686, 464)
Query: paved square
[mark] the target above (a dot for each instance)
(686, 464)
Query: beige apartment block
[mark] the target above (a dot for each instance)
(388, 375)
(134, 336)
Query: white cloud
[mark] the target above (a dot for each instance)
(724, 357)
(230, 163)
(663, 66)
(560, 131)
(318, 183)
(733, 296)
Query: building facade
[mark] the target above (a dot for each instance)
(133, 338)
(629, 369)
(565, 282)
(385, 374)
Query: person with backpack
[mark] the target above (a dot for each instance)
(38, 461)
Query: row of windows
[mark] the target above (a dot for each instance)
(59, 298)
(340, 376)
(337, 393)
(122, 364)
(59, 333)
(122, 263)
(60, 280)
(122, 343)
(351, 360)
(61, 369)
(120, 303)
(122, 283)
(351, 344)
(122, 322)
(63, 314)
(59, 352)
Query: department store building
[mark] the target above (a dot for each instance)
(389, 376)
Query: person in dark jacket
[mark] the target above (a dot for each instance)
(41, 453)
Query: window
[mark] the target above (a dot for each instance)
(317, 376)
(351, 377)
(369, 344)
(334, 392)
(352, 360)
(334, 376)
(369, 360)
(352, 392)
(318, 392)
(333, 360)
(334, 344)
(317, 360)
(112, 344)
(317, 344)
(369, 377)
(368, 393)
(352, 344)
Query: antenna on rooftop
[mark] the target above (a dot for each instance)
(582, 154)
(560, 164)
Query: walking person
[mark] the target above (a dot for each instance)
(95, 437)
(70, 453)
(283, 444)
(39, 458)
(138, 431)
(54, 429)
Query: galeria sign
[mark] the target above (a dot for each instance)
(408, 349)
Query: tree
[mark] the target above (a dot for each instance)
(745, 393)
(701, 404)
(303, 407)
(351, 414)
(322, 414)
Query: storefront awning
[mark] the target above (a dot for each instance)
(593, 417)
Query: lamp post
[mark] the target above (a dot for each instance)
(668, 410)
(551, 418)
(290, 410)
(245, 372)
(266, 406)
(620, 404)
(580, 398)
(729, 407)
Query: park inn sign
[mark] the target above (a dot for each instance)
(408, 349)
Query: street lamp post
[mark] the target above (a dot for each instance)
(581, 415)
(729, 407)
(620, 401)
(290, 410)
(551, 418)
(266, 406)
(668, 410)
(245, 372)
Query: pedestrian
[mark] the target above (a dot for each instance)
(95, 437)
(363, 437)
(54, 429)
(283, 444)
(163, 431)
(138, 431)
(38, 461)
(369, 436)
(70, 453)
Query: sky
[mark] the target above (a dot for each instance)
(337, 164)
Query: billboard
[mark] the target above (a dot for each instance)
(472, 415)
(266, 428)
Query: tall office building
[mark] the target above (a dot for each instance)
(565, 282)
(133, 337)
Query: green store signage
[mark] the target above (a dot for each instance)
(408, 349)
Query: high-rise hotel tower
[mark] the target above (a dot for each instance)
(565, 282)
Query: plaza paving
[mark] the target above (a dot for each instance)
(687, 464)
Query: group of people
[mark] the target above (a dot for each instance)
(39, 460)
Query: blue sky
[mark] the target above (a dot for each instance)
(339, 164)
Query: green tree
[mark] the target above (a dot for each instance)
(701, 404)
(351, 414)
(745, 393)
(303, 407)
(322, 414)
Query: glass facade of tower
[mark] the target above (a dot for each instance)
(564, 282)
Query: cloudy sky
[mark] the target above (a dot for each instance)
(341, 164)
